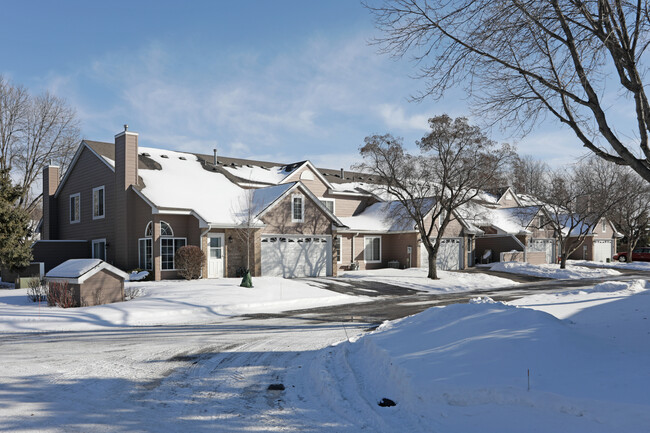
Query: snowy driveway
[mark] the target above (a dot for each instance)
(167, 379)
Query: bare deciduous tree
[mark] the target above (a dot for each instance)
(34, 131)
(528, 175)
(632, 215)
(455, 161)
(578, 199)
(525, 59)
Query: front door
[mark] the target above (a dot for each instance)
(215, 255)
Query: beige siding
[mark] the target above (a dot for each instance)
(278, 219)
(89, 172)
(316, 186)
(102, 288)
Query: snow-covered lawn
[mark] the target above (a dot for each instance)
(466, 367)
(416, 278)
(634, 266)
(168, 303)
(552, 270)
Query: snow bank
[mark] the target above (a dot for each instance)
(168, 303)
(466, 367)
(634, 266)
(552, 271)
(416, 279)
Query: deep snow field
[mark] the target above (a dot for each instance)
(464, 367)
(575, 361)
(169, 303)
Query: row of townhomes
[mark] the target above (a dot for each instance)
(135, 206)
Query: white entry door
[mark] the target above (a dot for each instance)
(215, 255)
(602, 250)
(292, 256)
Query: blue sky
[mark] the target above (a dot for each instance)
(279, 80)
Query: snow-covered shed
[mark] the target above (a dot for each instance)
(91, 281)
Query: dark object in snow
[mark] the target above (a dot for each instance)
(276, 387)
(386, 402)
(247, 281)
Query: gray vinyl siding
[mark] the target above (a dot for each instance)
(88, 172)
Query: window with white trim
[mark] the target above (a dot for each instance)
(98, 202)
(145, 254)
(99, 249)
(168, 248)
(328, 203)
(165, 229)
(297, 208)
(372, 249)
(604, 226)
(75, 208)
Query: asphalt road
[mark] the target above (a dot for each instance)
(393, 302)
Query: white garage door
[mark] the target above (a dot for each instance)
(602, 250)
(546, 245)
(449, 257)
(296, 256)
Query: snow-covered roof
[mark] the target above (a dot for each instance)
(183, 183)
(514, 220)
(79, 270)
(254, 173)
(383, 217)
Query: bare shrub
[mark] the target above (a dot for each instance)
(189, 261)
(132, 293)
(37, 291)
(59, 294)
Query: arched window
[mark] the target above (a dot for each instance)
(165, 229)
(168, 246)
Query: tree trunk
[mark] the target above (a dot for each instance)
(433, 272)
(630, 248)
(563, 261)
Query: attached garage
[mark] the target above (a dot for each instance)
(450, 254)
(294, 256)
(546, 245)
(602, 250)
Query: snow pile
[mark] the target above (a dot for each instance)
(552, 270)
(169, 303)
(634, 266)
(138, 276)
(468, 367)
(416, 279)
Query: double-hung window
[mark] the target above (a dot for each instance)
(98, 202)
(328, 203)
(168, 247)
(75, 208)
(99, 249)
(372, 249)
(297, 208)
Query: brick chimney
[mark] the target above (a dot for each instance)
(50, 184)
(126, 174)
